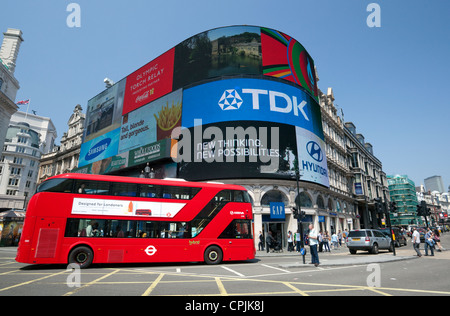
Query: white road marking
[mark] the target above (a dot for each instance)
(279, 269)
(231, 270)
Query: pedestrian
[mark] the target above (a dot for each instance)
(335, 241)
(269, 241)
(326, 241)
(416, 241)
(313, 245)
(320, 240)
(290, 241)
(261, 242)
(437, 239)
(429, 242)
(340, 238)
(297, 240)
(345, 235)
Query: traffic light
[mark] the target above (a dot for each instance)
(295, 212)
(379, 206)
(392, 207)
(419, 210)
(423, 210)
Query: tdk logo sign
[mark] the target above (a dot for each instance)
(278, 101)
(314, 151)
(98, 148)
(230, 100)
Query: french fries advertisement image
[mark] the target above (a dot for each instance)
(167, 119)
(151, 122)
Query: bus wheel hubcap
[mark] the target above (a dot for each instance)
(213, 255)
(81, 257)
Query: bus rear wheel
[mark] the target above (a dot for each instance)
(213, 255)
(82, 256)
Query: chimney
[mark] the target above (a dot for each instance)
(10, 48)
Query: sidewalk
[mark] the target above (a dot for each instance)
(342, 257)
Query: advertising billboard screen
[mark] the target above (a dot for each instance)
(218, 52)
(240, 149)
(99, 148)
(271, 108)
(251, 99)
(251, 128)
(286, 58)
(243, 49)
(151, 122)
(149, 82)
(312, 157)
(104, 111)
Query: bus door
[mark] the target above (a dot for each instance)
(239, 233)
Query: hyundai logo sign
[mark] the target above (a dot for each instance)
(314, 151)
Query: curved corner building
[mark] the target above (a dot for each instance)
(235, 104)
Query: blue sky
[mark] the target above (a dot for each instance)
(392, 82)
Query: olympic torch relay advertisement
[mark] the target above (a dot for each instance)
(125, 208)
(149, 82)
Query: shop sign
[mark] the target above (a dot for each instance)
(148, 153)
(277, 210)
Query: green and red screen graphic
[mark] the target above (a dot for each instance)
(283, 57)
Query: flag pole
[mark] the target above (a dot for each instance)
(28, 106)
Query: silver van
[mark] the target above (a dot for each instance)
(368, 239)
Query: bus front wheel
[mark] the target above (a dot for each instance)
(82, 256)
(213, 255)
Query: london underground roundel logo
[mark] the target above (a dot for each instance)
(150, 250)
(230, 100)
(314, 151)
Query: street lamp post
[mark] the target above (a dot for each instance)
(299, 214)
(25, 195)
(388, 209)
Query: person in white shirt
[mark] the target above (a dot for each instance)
(290, 241)
(313, 245)
(416, 242)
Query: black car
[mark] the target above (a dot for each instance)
(400, 238)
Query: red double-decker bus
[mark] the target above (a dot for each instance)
(85, 219)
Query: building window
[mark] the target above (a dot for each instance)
(355, 160)
(320, 202)
(305, 200)
(20, 149)
(13, 182)
(274, 196)
(15, 171)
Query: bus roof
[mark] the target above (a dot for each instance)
(174, 182)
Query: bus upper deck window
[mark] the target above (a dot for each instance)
(56, 185)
